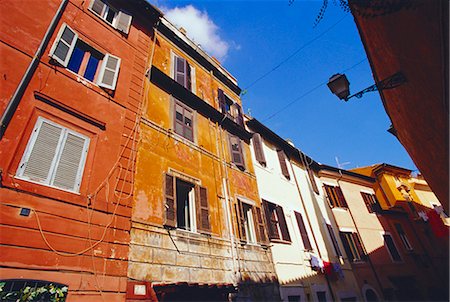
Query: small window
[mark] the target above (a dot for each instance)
(183, 121)
(371, 202)
(117, 19)
(403, 237)
(54, 156)
(80, 58)
(335, 197)
(321, 296)
(390, 245)
(333, 240)
(237, 156)
(353, 246)
(230, 108)
(277, 227)
(183, 73)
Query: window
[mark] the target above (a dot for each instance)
(333, 240)
(117, 19)
(258, 149)
(312, 180)
(54, 156)
(321, 296)
(183, 121)
(353, 246)
(276, 224)
(183, 73)
(250, 223)
(283, 166)
(303, 232)
(371, 202)
(77, 56)
(293, 298)
(335, 197)
(186, 205)
(230, 108)
(403, 238)
(237, 155)
(389, 243)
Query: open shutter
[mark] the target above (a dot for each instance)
(237, 111)
(188, 84)
(98, 7)
(38, 162)
(71, 162)
(170, 204)
(282, 160)
(303, 232)
(222, 101)
(64, 45)
(282, 222)
(236, 151)
(271, 225)
(333, 240)
(123, 22)
(258, 148)
(342, 202)
(312, 180)
(202, 208)
(109, 72)
(260, 228)
(330, 195)
(240, 220)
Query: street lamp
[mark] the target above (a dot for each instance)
(340, 86)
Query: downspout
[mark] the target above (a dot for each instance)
(20, 90)
(310, 225)
(359, 235)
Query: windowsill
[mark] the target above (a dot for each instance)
(280, 241)
(179, 137)
(81, 79)
(46, 185)
(341, 209)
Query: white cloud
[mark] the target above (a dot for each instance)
(199, 28)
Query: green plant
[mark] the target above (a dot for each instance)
(47, 292)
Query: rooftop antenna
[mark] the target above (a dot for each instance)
(341, 165)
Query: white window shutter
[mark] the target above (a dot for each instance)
(109, 72)
(64, 45)
(98, 7)
(71, 162)
(123, 22)
(41, 152)
(193, 80)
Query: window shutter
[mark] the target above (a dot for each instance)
(43, 153)
(109, 72)
(64, 45)
(258, 148)
(282, 160)
(238, 118)
(303, 232)
(180, 71)
(188, 84)
(170, 204)
(312, 180)
(71, 162)
(236, 151)
(222, 101)
(271, 227)
(359, 246)
(259, 226)
(202, 208)
(240, 220)
(97, 7)
(282, 222)
(123, 22)
(330, 195)
(334, 240)
(342, 202)
(346, 245)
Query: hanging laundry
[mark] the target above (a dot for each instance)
(316, 263)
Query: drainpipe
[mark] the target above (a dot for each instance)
(310, 225)
(20, 90)
(359, 235)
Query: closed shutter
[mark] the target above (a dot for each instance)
(123, 22)
(202, 207)
(258, 148)
(282, 160)
(312, 180)
(260, 229)
(238, 207)
(282, 222)
(342, 202)
(70, 163)
(64, 45)
(271, 222)
(334, 240)
(303, 232)
(180, 71)
(109, 72)
(359, 246)
(97, 7)
(42, 156)
(170, 204)
(236, 151)
(222, 101)
(238, 118)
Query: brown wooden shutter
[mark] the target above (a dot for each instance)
(282, 160)
(222, 101)
(303, 232)
(334, 240)
(330, 195)
(271, 227)
(260, 229)
(282, 222)
(188, 76)
(312, 180)
(170, 202)
(258, 147)
(180, 71)
(239, 119)
(202, 210)
(342, 202)
(346, 245)
(241, 220)
(237, 156)
(359, 246)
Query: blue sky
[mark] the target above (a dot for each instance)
(252, 38)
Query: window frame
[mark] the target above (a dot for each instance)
(249, 222)
(277, 222)
(355, 246)
(56, 158)
(338, 200)
(370, 200)
(191, 211)
(176, 103)
(241, 165)
(403, 238)
(173, 72)
(383, 234)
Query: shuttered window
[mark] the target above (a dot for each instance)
(334, 240)
(312, 180)
(54, 156)
(237, 156)
(183, 121)
(371, 202)
(393, 251)
(258, 148)
(230, 108)
(64, 45)
(118, 19)
(283, 166)
(276, 224)
(353, 247)
(109, 72)
(335, 196)
(182, 72)
(202, 206)
(247, 222)
(170, 205)
(303, 232)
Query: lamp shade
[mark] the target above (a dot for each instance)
(339, 86)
